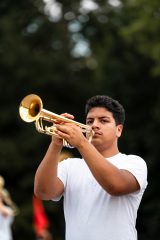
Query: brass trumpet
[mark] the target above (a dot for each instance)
(31, 109)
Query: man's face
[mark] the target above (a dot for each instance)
(103, 124)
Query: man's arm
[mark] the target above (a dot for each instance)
(46, 184)
(115, 181)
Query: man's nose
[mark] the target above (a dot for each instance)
(95, 124)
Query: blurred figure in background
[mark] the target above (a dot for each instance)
(8, 210)
(40, 220)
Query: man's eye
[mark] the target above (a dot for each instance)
(104, 121)
(89, 122)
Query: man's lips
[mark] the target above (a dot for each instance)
(97, 134)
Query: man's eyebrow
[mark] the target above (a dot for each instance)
(105, 117)
(101, 117)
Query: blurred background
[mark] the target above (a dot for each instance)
(67, 51)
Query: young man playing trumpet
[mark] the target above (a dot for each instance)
(103, 189)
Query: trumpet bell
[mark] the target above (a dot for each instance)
(30, 108)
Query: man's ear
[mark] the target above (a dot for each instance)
(119, 130)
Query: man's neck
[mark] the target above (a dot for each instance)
(109, 153)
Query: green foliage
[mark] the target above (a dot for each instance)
(37, 55)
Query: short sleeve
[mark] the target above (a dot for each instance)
(62, 175)
(62, 171)
(137, 166)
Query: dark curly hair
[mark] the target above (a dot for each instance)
(110, 104)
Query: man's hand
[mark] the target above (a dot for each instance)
(58, 140)
(71, 133)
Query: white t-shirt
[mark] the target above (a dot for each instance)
(93, 214)
(5, 226)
